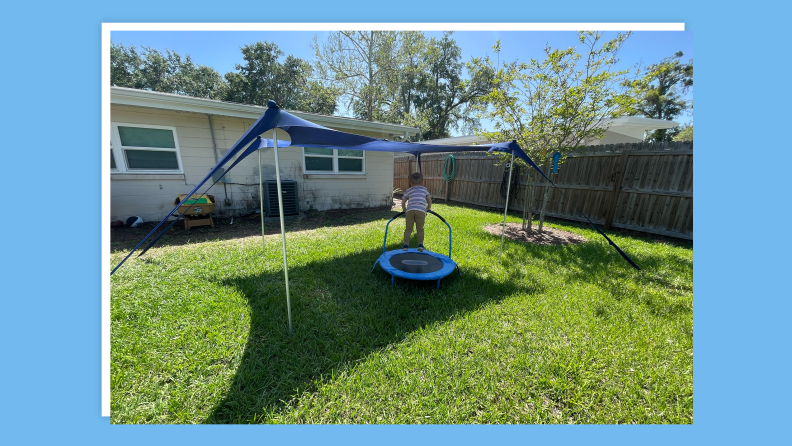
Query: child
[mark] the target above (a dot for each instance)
(415, 202)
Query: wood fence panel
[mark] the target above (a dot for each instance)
(640, 186)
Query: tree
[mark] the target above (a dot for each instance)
(403, 78)
(125, 65)
(168, 72)
(363, 66)
(560, 103)
(263, 77)
(660, 92)
(685, 134)
(442, 95)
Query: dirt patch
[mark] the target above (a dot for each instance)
(548, 236)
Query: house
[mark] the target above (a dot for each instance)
(163, 144)
(630, 129)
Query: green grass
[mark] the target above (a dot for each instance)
(553, 334)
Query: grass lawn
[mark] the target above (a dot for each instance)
(553, 334)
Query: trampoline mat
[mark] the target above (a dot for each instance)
(416, 263)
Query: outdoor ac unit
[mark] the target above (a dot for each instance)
(291, 204)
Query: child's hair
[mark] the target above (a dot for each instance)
(416, 178)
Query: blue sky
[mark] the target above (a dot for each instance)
(220, 49)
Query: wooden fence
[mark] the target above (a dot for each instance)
(644, 187)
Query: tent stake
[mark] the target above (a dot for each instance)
(506, 207)
(261, 198)
(283, 226)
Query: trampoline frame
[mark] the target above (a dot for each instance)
(438, 256)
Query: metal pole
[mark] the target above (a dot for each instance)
(283, 226)
(506, 207)
(261, 198)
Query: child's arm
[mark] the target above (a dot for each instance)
(404, 202)
(428, 202)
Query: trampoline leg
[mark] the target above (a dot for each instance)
(438, 284)
(392, 277)
(375, 265)
(460, 271)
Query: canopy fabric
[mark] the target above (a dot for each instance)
(304, 133)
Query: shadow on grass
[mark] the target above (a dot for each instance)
(124, 239)
(600, 265)
(341, 313)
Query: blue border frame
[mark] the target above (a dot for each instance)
(52, 313)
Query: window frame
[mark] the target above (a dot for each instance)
(120, 156)
(335, 157)
(113, 158)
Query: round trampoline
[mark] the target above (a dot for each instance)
(415, 265)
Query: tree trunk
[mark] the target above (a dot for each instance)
(526, 203)
(544, 201)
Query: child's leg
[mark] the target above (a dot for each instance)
(420, 218)
(410, 219)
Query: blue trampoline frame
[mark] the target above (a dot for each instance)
(448, 265)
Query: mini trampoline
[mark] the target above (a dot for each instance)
(415, 265)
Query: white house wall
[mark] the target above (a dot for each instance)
(151, 196)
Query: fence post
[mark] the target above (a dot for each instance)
(618, 176)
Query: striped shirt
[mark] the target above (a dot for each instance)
(416, 198)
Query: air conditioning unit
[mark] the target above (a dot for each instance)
(291, 204)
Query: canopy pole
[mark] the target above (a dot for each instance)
(283, 226)
(506, 207)
(261, 198)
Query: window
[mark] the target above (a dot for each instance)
(333, 161)
(145, 148)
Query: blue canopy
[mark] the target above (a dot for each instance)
(307, 134)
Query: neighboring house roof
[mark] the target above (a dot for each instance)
(636, 126)
(169, 101)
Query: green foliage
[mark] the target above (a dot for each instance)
(442, 95)
(168, 72)
(263, 76)
(402, 77)
(685, 133)
(559, 103)
(661, 92)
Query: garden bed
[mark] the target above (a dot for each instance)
(548, 236)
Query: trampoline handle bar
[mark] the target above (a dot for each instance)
(438, 216)
(385, 240)
(449, 229)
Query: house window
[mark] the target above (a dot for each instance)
(145, 148)
(333, 161)
(319, 160)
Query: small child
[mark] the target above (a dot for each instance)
(415, 202)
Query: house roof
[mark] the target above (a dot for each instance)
(640, 122)
(169, 101)
(636, 125)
